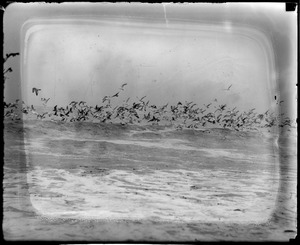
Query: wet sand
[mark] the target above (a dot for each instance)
(147, 185)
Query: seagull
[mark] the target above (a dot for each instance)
(97, 108)
(123, 85)
(219, 118)
(10, 55)
(42, 115)
(188, 103)
(228, 88)
(207, 106)
(147, 117)
(36, 91)
(135, 114)
(135, 105)
(14, 105)
(221, 108)
(260, 116)
(45, 100)
(192, 105)
(105, 98)
(73, 103)
(8, 113)
(6, 105)
(164, 107)
(141, 99)
(70, 110)
(280, 102)
(154, 119)
(24, 110)
(55, 110)
(116, 95)
(8, 70)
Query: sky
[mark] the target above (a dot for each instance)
(169, 53)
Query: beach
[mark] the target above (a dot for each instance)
(109, 182)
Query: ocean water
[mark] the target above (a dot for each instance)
(109, 172)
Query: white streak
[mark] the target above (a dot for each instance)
(165, 12)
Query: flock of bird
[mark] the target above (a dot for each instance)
(181, 115)
(141, 111)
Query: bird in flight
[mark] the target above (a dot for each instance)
(97, 108)
(73, 103)
(8, 70)
(141, 99)
(33, 110)
(207, 106)
(45, 100)
(42, 116)
(116, 95)
(10, 55)
(228, 87)
(123, 85)
(221, 108)
(36, 91)
(164, 107)
(106, 98)
(154, 119)
(127, 100)
(279, 102)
